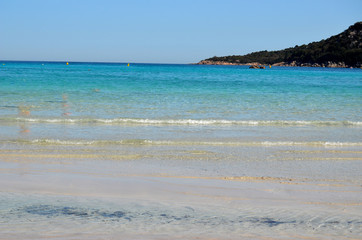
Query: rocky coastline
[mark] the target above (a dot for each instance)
(329, 64)
(343, 50)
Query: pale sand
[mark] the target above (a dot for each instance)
(163, 200)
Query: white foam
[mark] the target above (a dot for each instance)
(185, 143)
(192, 122)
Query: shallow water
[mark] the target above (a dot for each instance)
(174, 92)
(106, 151)
(94, 218)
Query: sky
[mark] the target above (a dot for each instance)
(164, 31)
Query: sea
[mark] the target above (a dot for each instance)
(184, 131)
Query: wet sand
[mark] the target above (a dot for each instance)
(158, 192)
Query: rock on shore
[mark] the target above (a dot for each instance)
(329, 64)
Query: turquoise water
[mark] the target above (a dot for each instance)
(97, 150)
(95, 100)
(174, 92)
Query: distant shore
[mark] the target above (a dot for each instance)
(343, 50)
(280, 64)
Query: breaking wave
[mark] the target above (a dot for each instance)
(181, 143)
(182, 122)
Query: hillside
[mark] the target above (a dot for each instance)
(342, 50)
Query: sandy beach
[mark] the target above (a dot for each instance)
(131, 193)
(147, 151)
(113, 127)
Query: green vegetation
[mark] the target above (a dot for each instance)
(342, 49)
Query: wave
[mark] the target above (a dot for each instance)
(180, 143)
(190, 122)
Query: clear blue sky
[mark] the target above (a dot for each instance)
(164, 31)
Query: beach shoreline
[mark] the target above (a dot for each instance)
(107, 151)
(137, 197)
(279, 64)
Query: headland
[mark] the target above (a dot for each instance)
(342, 51)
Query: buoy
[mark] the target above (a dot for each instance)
(128, 65)
(67, 63)
(269, 66)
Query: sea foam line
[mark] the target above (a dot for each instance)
(191, 122)
(181, 143)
